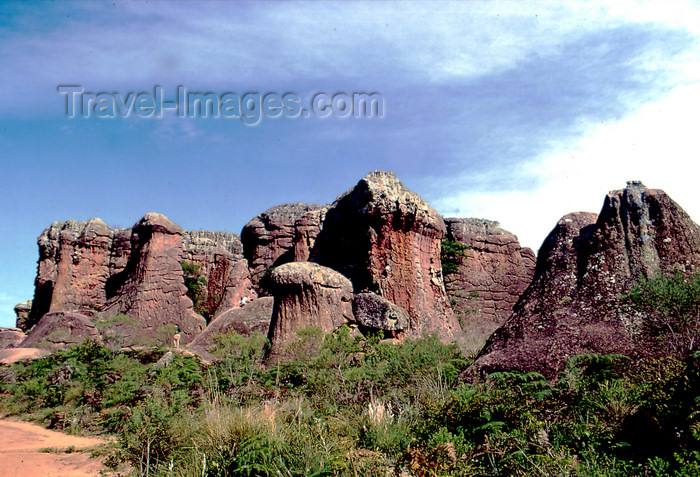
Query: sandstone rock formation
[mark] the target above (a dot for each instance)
(75, 261)
(151, 287)
(22, 311)
(573, 304)
(285, 233)
(489, 277)
(136, 271)
(11, 337)
(220, 261)
(386, 240)
(307, 294)
(374, 313)
(254, 316)
(60, 330)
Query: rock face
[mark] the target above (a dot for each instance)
(254, 316)
(282, 234)
(11, 337)
(136, 271)
(573, 304)
(60, 330)
(386, 240)
(220, 261)
(307, 294)
(75, 261)
(374, 313)
(489, 278)
(151, 287)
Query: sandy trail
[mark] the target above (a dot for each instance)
(20, 443)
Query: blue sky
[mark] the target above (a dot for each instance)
(513, 111)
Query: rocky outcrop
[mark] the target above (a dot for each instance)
(386, 240)
(285, 233)
(488, 277)
(60, 330)
(76, 259)
(255, 316)
(218, 257)
(22, 311)
(151, 287)
(11, 337)
(374, 313)
(307, 294)
(137, 271)
(573, 304)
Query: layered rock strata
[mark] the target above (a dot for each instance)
(386, 240)
(489, 275)
(282, 234)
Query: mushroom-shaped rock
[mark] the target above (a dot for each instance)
(307, 294)
(373, 313)
(22, 311)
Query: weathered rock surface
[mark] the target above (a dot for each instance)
(11, 337)
(136, 271)
(151, 287)
(386, 240)
(374, 313)
(254, 316)
(75, 261)
(22, 311)
(285, 233)
(58, 330)
(219, 256)
(573, 304)
(307, 294)
(490, 277)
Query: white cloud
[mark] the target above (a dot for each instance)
(658, 144)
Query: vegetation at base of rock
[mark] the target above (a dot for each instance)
(449, 251)
(195, 282)
(345, 405)
(671, 307)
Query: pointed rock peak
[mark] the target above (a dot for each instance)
(635, 185)
(385, 184)
(159, 223)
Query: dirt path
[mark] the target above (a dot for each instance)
(20, 443)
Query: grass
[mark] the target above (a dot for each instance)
(353, 406)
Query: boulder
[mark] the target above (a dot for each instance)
(285, 233)
(386, 240)
(374, 313)
(586, 264)
(307, 294)
(253, 316)
(489, 277)
(151, 287)
(11, 337)
(58, 330)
